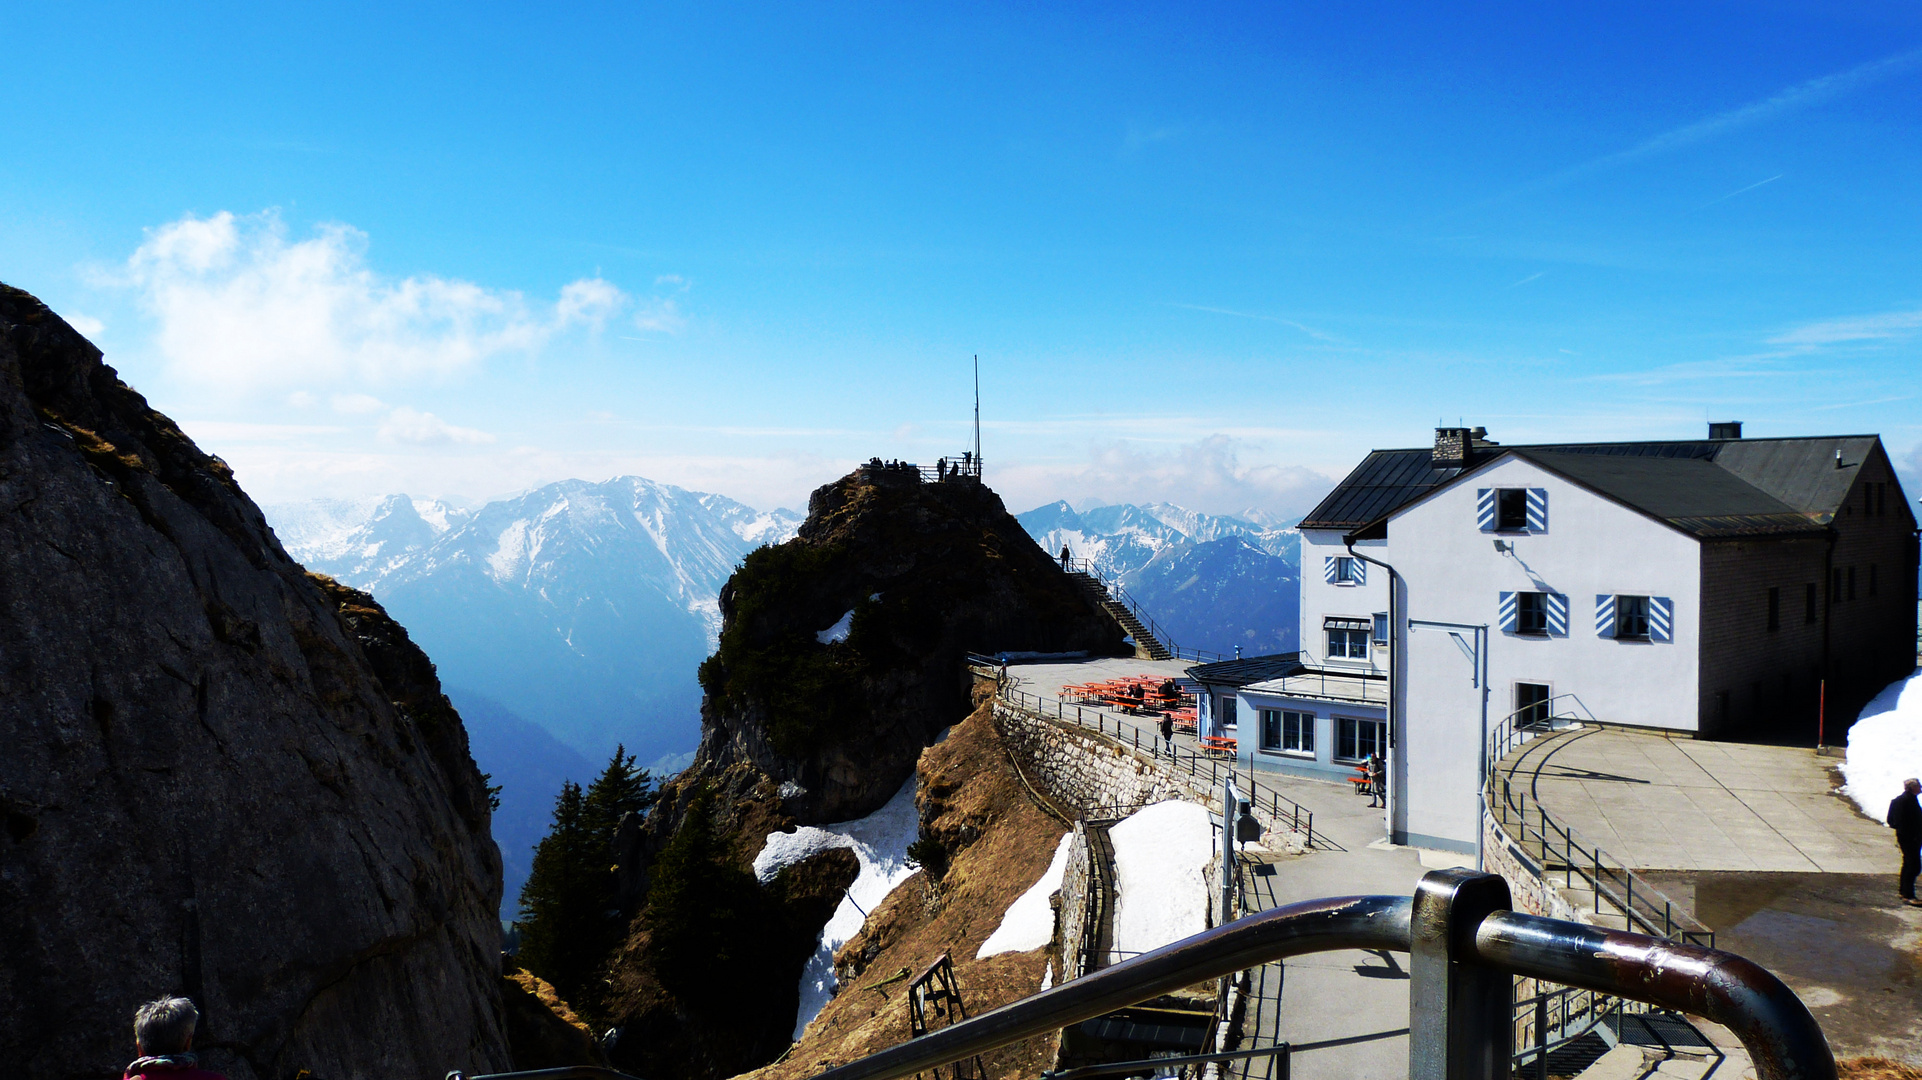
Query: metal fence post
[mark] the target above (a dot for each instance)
(1460, 1013)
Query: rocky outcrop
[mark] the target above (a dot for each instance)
(910, 576)
(842, 656)
(222, 777)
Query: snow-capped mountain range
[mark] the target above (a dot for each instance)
(584, 607)
(1215, 583)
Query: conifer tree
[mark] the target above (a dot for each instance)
(569, 919)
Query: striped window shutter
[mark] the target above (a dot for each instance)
(1328, 569)
(1605, 615)
(1360, 572)
(1661, 619)
(1505, 612)
(1558, 614)
(1537, 509)
(1485, 509)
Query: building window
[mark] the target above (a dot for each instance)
(1851, 589)
(1381, 627)
(1881, 499)
(1631, 617)
(1225, 714)
(1345, 571)
(1347, 638)
(1775, 608)
(1871, 579)
(1357, 739)
(1531, 704)
(1808, 603)
(1531, 613)
(1835, 586)
(1511, 509)
(1288, 732)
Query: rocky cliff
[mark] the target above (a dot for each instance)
(842, 656)
(842, 651)
(222, 777)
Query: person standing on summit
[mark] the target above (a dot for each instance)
(163, 1035)
(1905, 817)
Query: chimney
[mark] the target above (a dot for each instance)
(1453, 445)
(1727, 429)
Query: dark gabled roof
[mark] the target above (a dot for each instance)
(1708, 488)
(1252, 669)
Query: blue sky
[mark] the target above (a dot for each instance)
(1206, 253)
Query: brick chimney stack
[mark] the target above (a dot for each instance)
(1451, 447)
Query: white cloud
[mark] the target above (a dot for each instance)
(1862, 328)
(405, 425)
(357, 404)
(88, 326)
(239, 305)
(660, 316)
(1207, 475)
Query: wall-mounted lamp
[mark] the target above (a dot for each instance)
(1503, 547)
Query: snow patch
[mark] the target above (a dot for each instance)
(1885, 747)
(880, 841)
(837, 632)
(1029, 921)
(1161, 892)
(509, 549)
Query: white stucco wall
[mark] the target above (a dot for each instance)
(1452, 573)
(1320, 600)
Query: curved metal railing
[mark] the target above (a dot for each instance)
(1467, 950)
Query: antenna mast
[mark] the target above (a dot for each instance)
(977, 414)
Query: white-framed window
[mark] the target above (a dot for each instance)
(1635, 618)
(1345, 571)
(1357, 738)
(1531, 613)
(1285, 731)
(1225, 713)
(1347, 638)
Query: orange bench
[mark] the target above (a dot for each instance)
(1218, 744)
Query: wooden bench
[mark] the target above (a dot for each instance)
(1218, 744)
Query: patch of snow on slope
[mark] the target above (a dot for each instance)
(509, 549)
(1029, 921)
(837, 632)
(880, 841)
(1161, 893)
(1885, 747)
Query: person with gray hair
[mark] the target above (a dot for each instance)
(163, 1034)
(1905, 817)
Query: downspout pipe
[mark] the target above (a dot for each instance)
(1396, 647)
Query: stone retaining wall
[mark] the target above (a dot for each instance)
(1528, 890)
(1073, 906)
(1087, 773)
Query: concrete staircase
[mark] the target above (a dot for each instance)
(1146, 645)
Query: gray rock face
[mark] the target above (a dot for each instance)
(221, 777)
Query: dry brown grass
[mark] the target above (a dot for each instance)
(544, 990)
(1875, 1068)
(971, 789)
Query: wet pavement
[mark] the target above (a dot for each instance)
(1843, 942)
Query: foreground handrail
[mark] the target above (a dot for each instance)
(564, 1073)
(1348, 922)
(1775, 1027)
(1462, 929)
(569, 1072)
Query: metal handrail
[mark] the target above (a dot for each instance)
(1590, 863)
(1452, 946)
(1279, 807)
(1120, 594)
(571, 1072)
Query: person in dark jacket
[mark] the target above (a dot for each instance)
(1905, 817)
(1168, 732)
(163, 1033)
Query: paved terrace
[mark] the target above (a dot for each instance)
(1347, 1011)
(1655, 803)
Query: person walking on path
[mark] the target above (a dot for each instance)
(1905, 817)
(1168, 732)
(1377, 781)
(1067, 558)
(163, 1035)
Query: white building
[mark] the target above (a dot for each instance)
(1720, 586)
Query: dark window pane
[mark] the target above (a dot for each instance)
(1631, 616)
(1808, 603)
(1531, 613)
(1511, 508)
(1775, 608)
(1531, 704)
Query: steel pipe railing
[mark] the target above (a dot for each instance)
(1463, 940)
